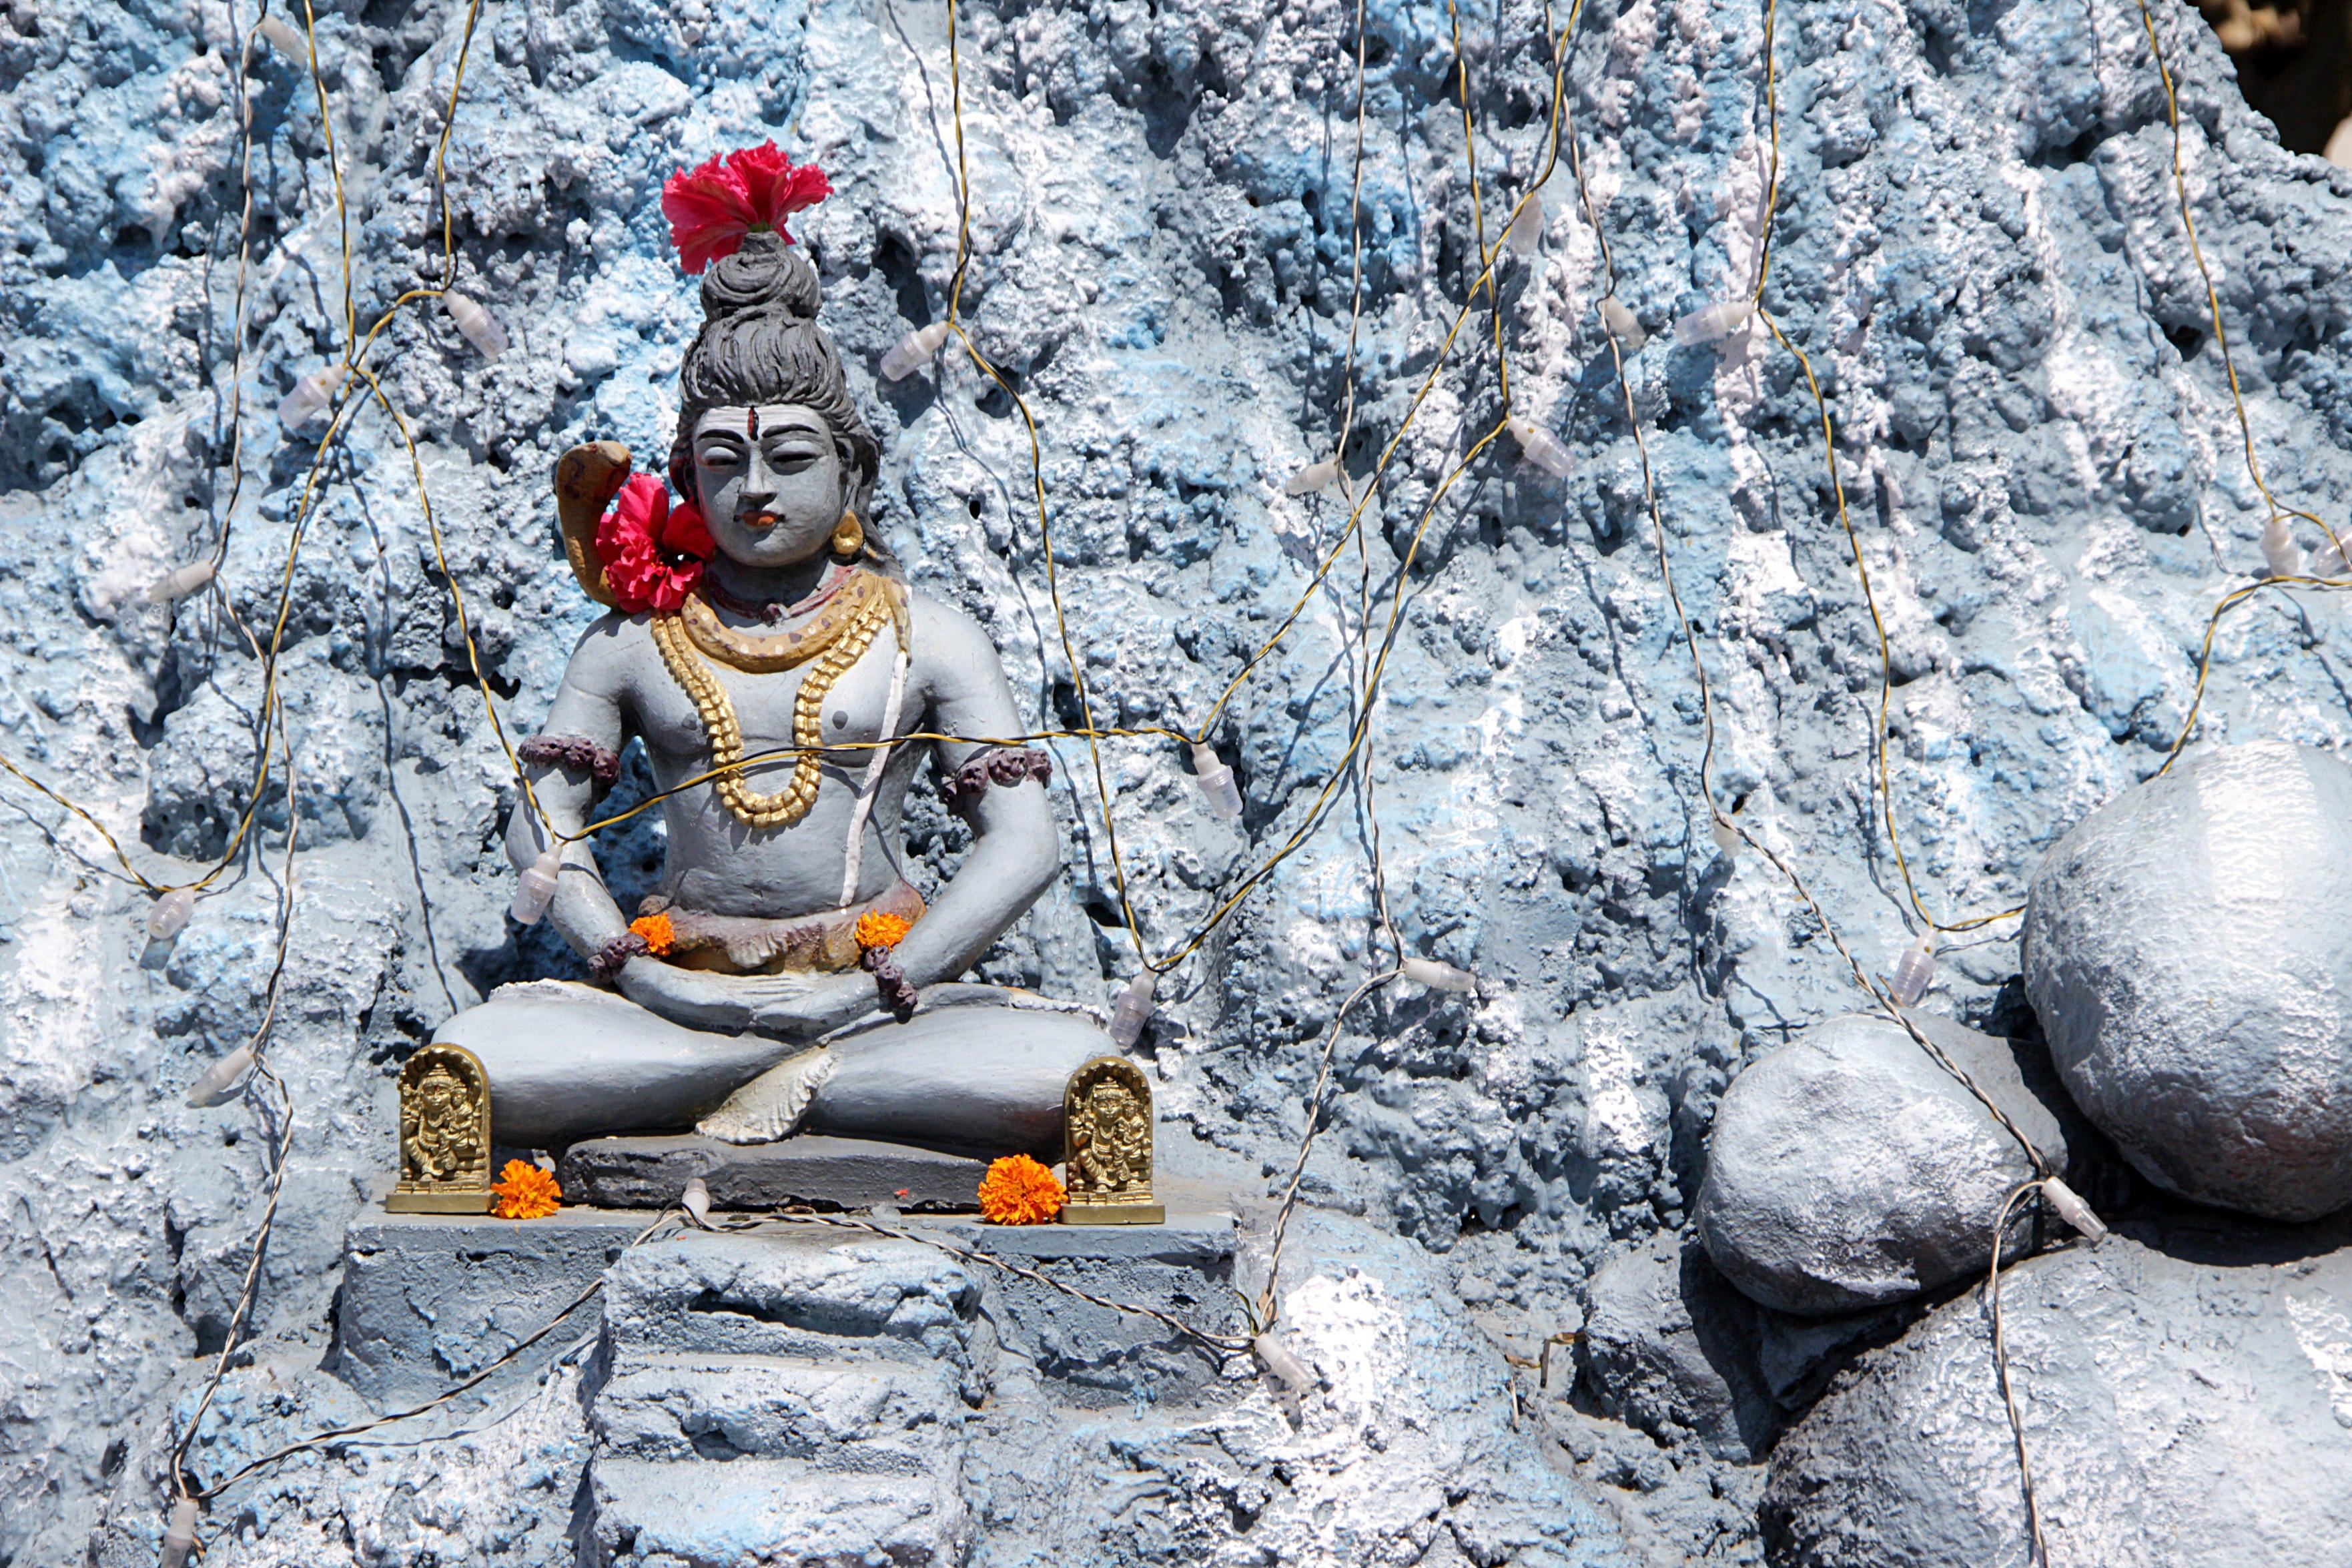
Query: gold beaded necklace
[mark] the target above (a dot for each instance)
(838, 639)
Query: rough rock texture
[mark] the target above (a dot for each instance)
(2191, 1405)
(1671, 1348)
(789, 1390)
(1847, 1170)
(1976, 242)
(426, 1300)
(2189, 952)
(1407, 1449)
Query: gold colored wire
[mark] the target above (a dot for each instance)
(1698, 672)
(1356, 254)
(2213, 297)
(1772, 179)
(338, 410)
(1356, 510)
(334, 166)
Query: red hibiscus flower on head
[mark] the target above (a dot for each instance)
(712, 207)
(654, 553)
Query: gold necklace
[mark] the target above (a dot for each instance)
(844, 645)
(766, 655)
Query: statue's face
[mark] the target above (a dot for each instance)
(770, 480)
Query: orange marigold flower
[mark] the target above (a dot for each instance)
(525, 1191)
(878, 930)
(1019, 1190)
(660, 934)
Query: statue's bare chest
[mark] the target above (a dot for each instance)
(849, 712)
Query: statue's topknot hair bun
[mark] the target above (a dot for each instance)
(766, 273)
(761, 344)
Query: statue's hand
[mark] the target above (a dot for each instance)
(792, 1006)
(691, 996)
(801, 1007)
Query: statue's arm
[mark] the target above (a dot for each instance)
(1016, 853)
(590, 706)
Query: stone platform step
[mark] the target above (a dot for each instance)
(1095, 1355)
(786, 1395)
(829, 1172)
(653, 1515)
(791, 1290)
(865, 1418)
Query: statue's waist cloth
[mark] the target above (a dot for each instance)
(826, 941)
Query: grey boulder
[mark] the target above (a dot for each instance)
(2188, 951)
(2177, 1413)
(1846, 1171)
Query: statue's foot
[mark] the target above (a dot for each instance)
(771, 1106)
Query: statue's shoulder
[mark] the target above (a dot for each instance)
(611, 652)
(942, 628)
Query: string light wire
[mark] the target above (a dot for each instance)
(1372, 675)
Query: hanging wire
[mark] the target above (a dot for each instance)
(1366, 691)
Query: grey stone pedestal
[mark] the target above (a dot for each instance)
(791, 1392)
(830, 1173)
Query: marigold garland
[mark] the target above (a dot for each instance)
(876, 928)
(660, 934)
(525, 1192)
(1019, 1190)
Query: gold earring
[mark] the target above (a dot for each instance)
(848, 535)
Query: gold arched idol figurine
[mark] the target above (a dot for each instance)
(1107, 1140)
(444, 1135)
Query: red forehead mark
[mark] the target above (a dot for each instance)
(751, 422)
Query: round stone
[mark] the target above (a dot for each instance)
(2189, 952)
(1847, 1170)
(2175, 1412)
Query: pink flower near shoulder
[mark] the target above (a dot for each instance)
(713, 206)
(654, 553)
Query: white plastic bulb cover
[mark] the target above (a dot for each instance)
(180, 1534)
(1623, 325)
(1526, 227)
(1713, 323)
(1726, 836)
(220, 1079)
(1132, 1009)
(1312, 478)
(180, 582)
(1286, 1368)
(2072, 1209)
(2279, 551)
(1216, 782)
(913, 352)
(695, 1200)
(1437, 976)
(1541, 448)
(535, 889)
(169, 916)
(290, 42)
(1912, 972)
(480, 328)
(310, 396)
